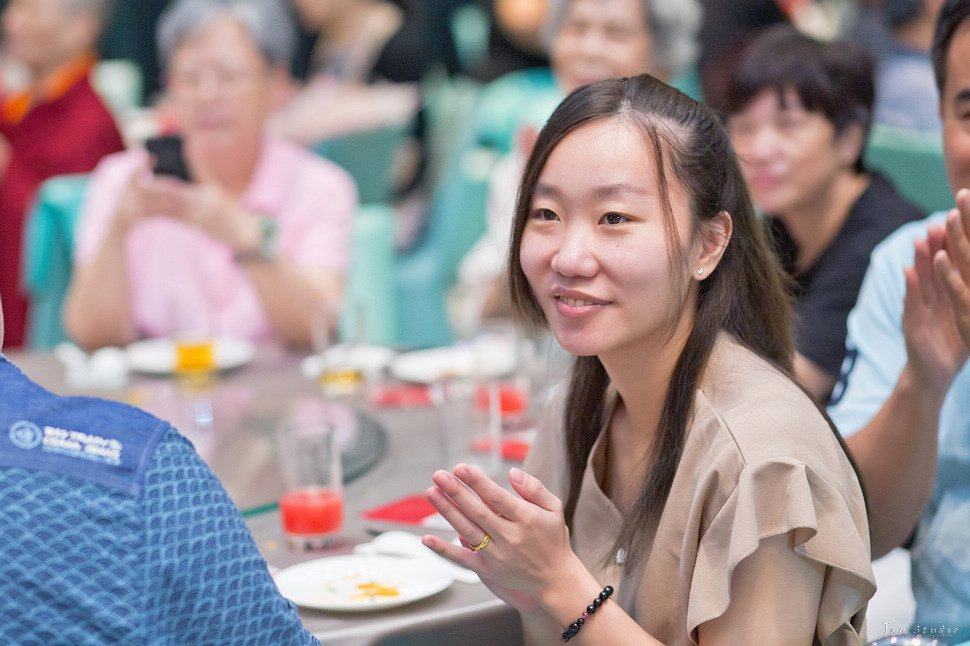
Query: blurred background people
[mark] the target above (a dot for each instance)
(130, 35)
(903, 400)
(514, 37)
(366, 63)
(253, 232)
(365, 40)
(726, 29)
(589, 40)
(799, 112)
(52, 121)
(362, 103)
(906, 95)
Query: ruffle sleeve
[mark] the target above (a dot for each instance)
(774, 497)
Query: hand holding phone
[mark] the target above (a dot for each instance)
(168, 158)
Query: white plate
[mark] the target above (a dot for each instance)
(157, 356)
(494, 358)
(371, 359)
(334, 583)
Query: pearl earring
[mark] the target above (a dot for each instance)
(700, 271)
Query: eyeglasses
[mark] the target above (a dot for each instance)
(225, 78)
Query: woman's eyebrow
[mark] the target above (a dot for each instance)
(620, 189)
(599, 192)
(546, 190)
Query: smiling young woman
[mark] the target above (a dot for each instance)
(682, 467)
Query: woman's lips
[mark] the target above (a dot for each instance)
(576, 302)
(576, 306)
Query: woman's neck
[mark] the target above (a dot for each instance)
(815, 223)
(642, 379)
(642, 376)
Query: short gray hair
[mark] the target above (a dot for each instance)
(266, 21)
(674, 26)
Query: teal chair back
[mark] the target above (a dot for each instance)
(456, 215)
(523, 96)
(370, 303)
(369, 157)
(48, 253)
(913, 161)
(48, 261)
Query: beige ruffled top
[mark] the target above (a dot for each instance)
(759, 461)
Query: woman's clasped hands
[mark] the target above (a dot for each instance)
(517, 544)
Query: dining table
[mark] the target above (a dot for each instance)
(232, 419)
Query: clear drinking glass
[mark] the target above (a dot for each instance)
(339, 374)
(311, 509)
(195, 347)
(468, 401)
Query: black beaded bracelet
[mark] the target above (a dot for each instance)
(574, 627)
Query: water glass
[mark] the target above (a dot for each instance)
(339, 374)
(470, 421)
(311, 509)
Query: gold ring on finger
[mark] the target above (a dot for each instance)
(483, 544)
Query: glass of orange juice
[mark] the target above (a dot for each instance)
(194, 354)
(311, 508)
(195, 351)
(339, 373)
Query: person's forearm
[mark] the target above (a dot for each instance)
(610, 624)
(565, 602)
(896, 453)
(539, 629)
(318, 114)
(97, 308)
(290, 300)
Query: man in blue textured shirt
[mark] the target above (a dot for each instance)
(113, 531)
(904, 399)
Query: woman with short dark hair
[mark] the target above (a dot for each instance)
(799, 112)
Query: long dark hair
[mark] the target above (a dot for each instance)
(952, 14)
(745, 295)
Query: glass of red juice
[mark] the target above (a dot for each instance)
(311, 508)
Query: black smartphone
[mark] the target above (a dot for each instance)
(167, 157)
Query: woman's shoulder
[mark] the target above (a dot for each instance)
(753, 411)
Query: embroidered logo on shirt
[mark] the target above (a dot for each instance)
(25, 435)
(74, 444)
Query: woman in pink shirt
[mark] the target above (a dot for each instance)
(238, 233)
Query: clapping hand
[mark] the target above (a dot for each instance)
(527, 551)
(936, 315)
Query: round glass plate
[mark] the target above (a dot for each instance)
(368, 447)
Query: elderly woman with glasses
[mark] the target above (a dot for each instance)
(224, 230)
